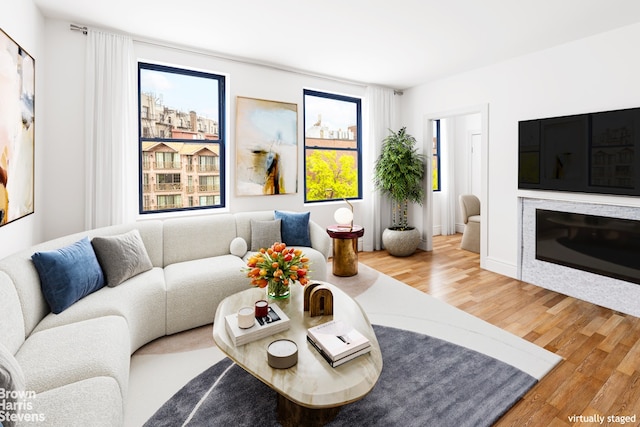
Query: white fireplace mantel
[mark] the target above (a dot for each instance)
(601, 290)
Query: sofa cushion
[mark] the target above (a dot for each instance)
(121, 257)
(11, 380)
(95, 402)
(265, 233)
(188, 238)
(195, 288)
(11, 319)
(238, 247)
(295, 228)
(68, 274)
(141, 300)
(79, 351)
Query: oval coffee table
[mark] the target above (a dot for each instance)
(311, 392)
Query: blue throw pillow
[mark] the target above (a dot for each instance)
(295, 228)
(68, 274)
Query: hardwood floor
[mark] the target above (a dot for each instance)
(600, 374)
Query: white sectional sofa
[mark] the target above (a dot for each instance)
(75, 364)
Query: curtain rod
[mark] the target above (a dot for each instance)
(74, 27)
(84, 29)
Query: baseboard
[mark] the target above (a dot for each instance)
(501, 267)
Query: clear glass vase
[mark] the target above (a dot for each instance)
(276, 290)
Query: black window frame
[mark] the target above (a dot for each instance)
(358, 149)
(221, 141)
(436, 127)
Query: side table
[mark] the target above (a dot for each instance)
(345, 248)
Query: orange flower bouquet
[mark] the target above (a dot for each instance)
(276, 268)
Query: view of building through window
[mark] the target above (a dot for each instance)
(332, 138)
(181, 139)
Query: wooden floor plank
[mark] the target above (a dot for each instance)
(601, 347)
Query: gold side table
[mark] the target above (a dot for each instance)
(345, 248)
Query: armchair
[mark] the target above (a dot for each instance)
(470, 208)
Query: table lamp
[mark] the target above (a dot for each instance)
(344, 216)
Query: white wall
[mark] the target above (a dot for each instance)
(64, 125)
(22, 21)
(65, 109)
(594, 74)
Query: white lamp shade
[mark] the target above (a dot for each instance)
(343, 216)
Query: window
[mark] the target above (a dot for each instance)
(209, 183)
(435, 165)
(169, 202)
(168, 181)
(208, 163)
(181, 115)
(145, 183)
(332, 144)
(168, 161)
(207, 200)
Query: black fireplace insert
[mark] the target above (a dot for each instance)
(597, 244)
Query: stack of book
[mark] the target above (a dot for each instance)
(338, 342)
(276, 321)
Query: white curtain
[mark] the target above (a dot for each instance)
(381, 115)
(449, 202)
(110, 130)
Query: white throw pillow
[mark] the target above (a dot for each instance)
(238, 247)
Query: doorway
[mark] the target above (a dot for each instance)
(466, 139)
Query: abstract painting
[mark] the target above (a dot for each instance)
(17, 87)
(266, 147)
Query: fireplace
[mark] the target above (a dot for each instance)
(561, 246)
(598, 244)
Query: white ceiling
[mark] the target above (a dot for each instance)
(395, 43)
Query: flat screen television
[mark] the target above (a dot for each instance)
(588, 153)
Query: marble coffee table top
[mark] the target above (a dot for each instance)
(312, 382)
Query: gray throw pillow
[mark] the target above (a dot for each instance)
(121, 257)
(11, 380)
(264, 234)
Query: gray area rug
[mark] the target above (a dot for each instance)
(425, 381)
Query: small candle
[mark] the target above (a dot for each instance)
(246, 317)
(282, 348)
(282, 354)
(262, 308)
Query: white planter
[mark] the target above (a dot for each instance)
(401, 242)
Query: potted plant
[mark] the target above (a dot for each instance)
(398, 174)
